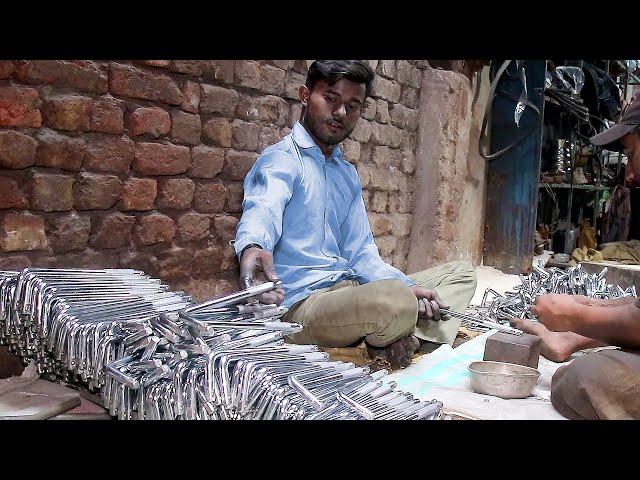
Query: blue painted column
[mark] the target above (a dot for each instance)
(512, 179)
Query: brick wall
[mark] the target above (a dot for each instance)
(140, 164)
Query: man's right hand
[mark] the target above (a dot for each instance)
(558, 312)
(256, 267)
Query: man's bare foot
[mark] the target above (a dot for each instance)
(556, 346)
(398, 354)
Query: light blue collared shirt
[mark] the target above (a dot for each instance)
(308, 210)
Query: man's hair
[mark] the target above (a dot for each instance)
(333, 70)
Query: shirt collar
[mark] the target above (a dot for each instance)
(304, 140)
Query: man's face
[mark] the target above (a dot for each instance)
(332, 111)
(631, 148)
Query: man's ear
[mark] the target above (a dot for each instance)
(304, 94)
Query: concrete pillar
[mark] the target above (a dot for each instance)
(450, 180)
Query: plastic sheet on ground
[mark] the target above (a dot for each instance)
(444, 374)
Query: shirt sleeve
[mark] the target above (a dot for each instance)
(268, 187)
(359, 248)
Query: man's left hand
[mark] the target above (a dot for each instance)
(430, 305)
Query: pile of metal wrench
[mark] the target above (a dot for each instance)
(154, 354)
(497, 309)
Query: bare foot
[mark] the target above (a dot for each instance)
(398, 354)
(556, 346)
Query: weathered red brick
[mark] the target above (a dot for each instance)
(386, 135)
(410, 97)
(380, 201)
(362, 132)
(412, 118)
(208, 261)
(59, 151)
(235, 195)
(22, 232)
(68, 112)
(139, 194)
(247, 108)
(153, 120)
(229, 258)
(19, 107)
(402, 224)
(175, 263)
(88, 258)
(144, 261)
(366, 197)
(301, 66)
(381, 156)
(6, 68)
(248, 73)
(111, 154)
(403, 72)
(238, 164)
(380, 223)
(416, 77)
(220, 100)
(69, 232)
(136, 83)
(50, 192)
(382, 112)
(283, 64)
(408, 161)
(96, 192)
(225, 227)
(386, 245)
(384, 179)
(17, 150)
(210, 197)
(156, 63)
(222, 70)
(351, 150)
(292, 88)
(81, 74)
(295, 113)
(272, 79)
(175, 193)
(189, 67)
(190, 96)
(387, 68)
(268, 136)
(161, 159)
(218, 131)
(398, 115)
(185, 128)
(385, 89)
(245, 135)
(193, 227)
(14, 263)
(272, 109)
(107, 116)
(10, 194)
(401, 202)
(154, 229)
(111, 231)
(206, 162)
(370, 107)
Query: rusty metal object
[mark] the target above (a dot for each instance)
(519, 349)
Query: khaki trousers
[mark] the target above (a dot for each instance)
(599, 386)
(382, 312)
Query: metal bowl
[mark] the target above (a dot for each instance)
(504, 380)
(562, 257)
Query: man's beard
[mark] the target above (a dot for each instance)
(314, 128)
